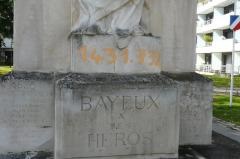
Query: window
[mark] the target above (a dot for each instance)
(208, 59)
(229, 9)
(6, 58)
(228, 33)
(226, 58)
(9, 58)
(209, 16)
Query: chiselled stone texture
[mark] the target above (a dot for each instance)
(27, 101)
(100, 54)
(26, 112)
(195, 103)
(116, 116)
(42, 29)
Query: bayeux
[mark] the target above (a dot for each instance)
(108, 103)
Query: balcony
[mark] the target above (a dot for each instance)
(228, 69)
(225, 69)
(205, 68)
(207, 48)
(221, 22)
(205, 27)
(208, 5)
(224, 46)
(205, 7)
(218, 46)
(204, 2)
(208, 22)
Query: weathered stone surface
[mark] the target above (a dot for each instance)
(195, 103)
(116, 116)
(26, 112)
(42, 29)
(41, 35)
(97, 54)
(175, 22)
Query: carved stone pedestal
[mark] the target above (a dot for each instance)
(103, 115)
(116, 116)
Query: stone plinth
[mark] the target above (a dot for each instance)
(195, 104)
(26, 112)
(123, 105)
(116, 116)
(100, 54)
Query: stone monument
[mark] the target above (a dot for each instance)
(104, 80)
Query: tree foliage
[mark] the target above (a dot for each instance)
(6, 19)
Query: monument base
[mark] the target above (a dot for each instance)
(145, 107)
(195, 102)
(110, 115)
(162, 156)
(26, 112)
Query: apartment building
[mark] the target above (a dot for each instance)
(215, 39)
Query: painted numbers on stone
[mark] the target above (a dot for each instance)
(111, 56)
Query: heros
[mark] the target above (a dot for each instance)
(108, 103)
(119, 139)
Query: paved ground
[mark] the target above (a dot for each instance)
(227, 129)
(222, 148)
(226, 90)
(225, 144)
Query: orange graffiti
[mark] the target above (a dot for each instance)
(83, 51)
(112, 54)
(155, 57)
(95, 57)
(125, 56)
(141, 56)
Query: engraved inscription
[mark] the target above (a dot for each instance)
(23, 115)
(118, 139)
(26, 114)
(108, 103)
(13, 85)
(104, 122)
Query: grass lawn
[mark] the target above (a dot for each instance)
(4, 70)
(222, 111)
(219, 81)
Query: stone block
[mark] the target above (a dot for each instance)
(100, 54)
(175, 22)
(109, 116)
(195, 103)
(104, 116)
(26, 112)
(42, 28)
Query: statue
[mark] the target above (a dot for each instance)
(121, 18)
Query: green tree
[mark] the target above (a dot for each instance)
(6, 20)
(208, 38)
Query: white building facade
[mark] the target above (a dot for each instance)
(214, 37)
